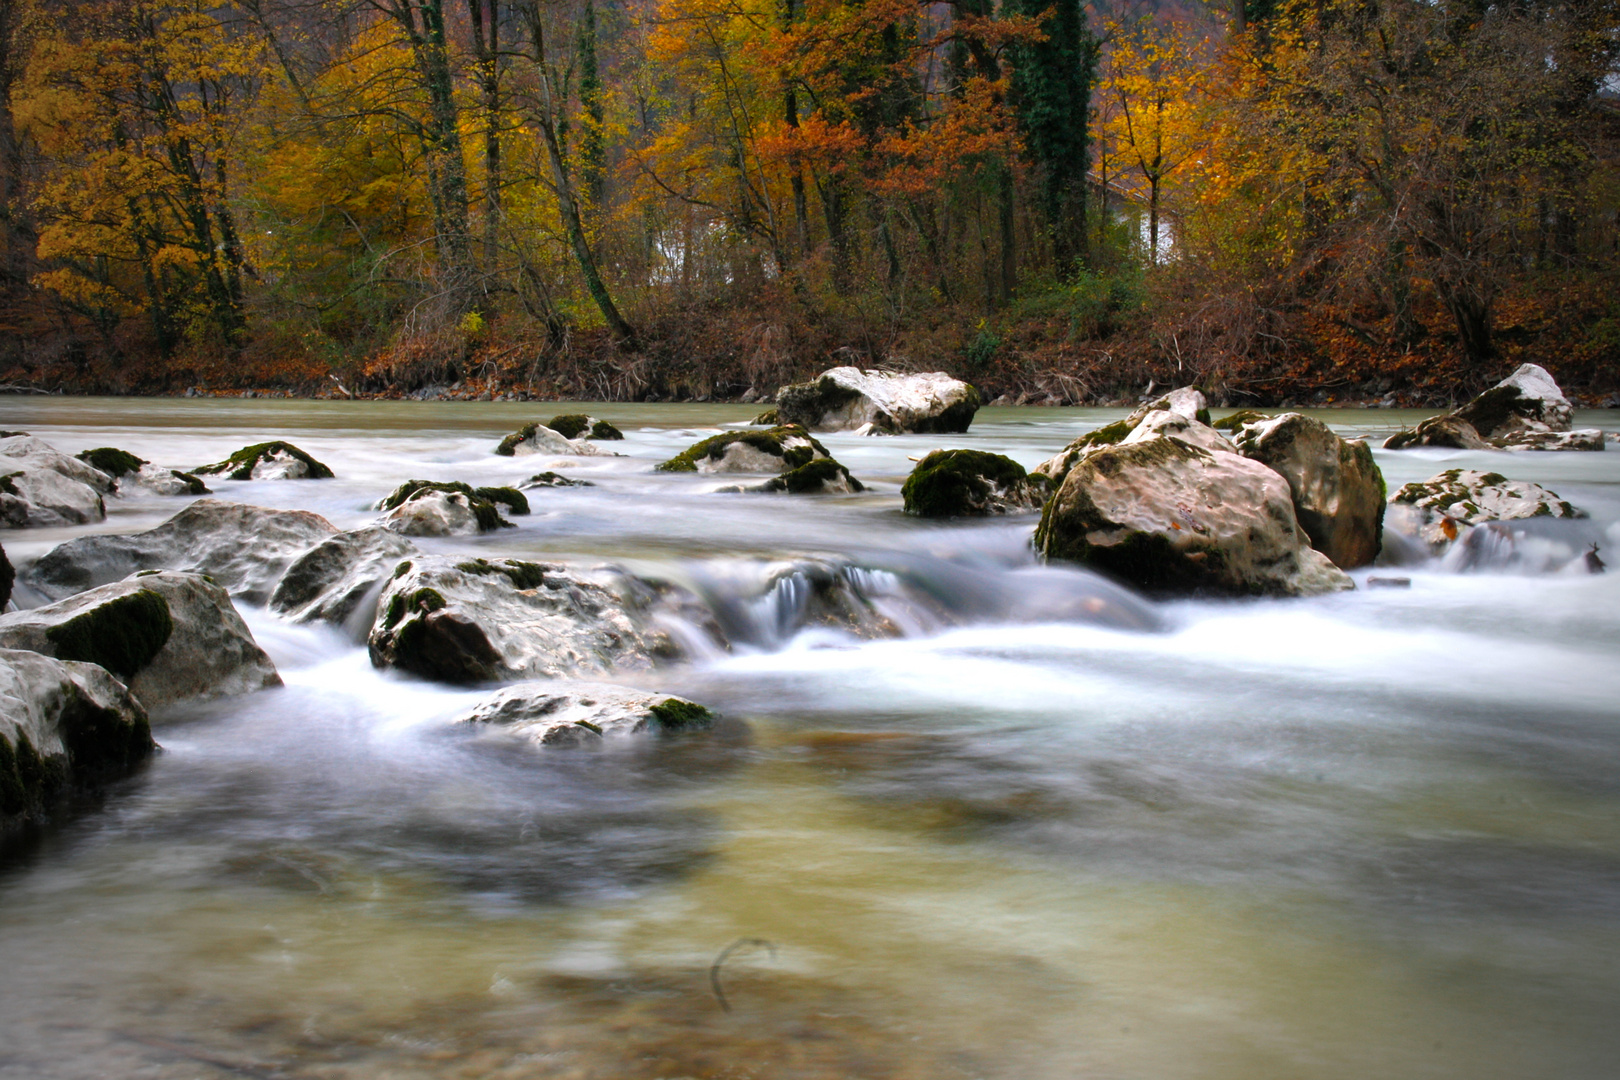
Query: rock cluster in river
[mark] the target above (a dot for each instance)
(802, 466)
(1525, 411)
(881, 402)
(1446, 506)
(275, 460)
(438, 508)
(970, 483)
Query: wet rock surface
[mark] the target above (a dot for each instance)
(63, 725)
(1448, 504)
(476, 620)
(332, 580)
(243, 548)
(274, 460)
(1337, 488)
(970, 483)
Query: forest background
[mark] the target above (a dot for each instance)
(1312, 201)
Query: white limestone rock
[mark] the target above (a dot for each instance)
(1447, 505)
(847, 399)
(557, 715)
(332, 580)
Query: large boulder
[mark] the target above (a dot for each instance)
(846, 398)
(970, 483)
(438, 508)
(244, 548)
(1448, 505)
(1172, 518)
(583, 714)
(63, 725)
(477, 620)
(330, 581)
(130, 472)
(1168, 424)
(169, 636)
(1527, 400)
(275, 460)
(1337, 488)
(1525, 411)
(789, 451)
(537, 438)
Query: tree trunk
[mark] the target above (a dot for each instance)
(487, 51)
(545, 119)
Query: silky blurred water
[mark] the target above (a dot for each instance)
(1052, 831)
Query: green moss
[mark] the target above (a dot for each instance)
(509, 497)
(489, 518)
(1202, 416)
(122, 635)
(112, 461)
(954, 483)
(673, 714)
(812, 477)
(1237, 420)
(27, 779)
(588, 726)
(524, 575)
(1107, 435)
(14, 798)
(601, 429)
(508, 445)
(102, 742)
(401, 570)
(194, 486)
(551, 479)
(240, 464)
(569, 425)
(769, 442)
(769, 418)
(7, 486)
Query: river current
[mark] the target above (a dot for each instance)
(1052, 830)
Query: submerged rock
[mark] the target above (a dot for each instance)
(584, 714)
(1446, 505)
(578, 425)
(970, 483)
(1582, 439)
(63, 725)
(244, 548)
(436, 508)
(477, 620)
(330, 581)
(1337, 488)
(551, 479)
(537, 438)
(169, 636)
(784, 450)
(846, 398)
(268, 461)
(1167, 517)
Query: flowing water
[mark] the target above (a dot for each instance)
(1051, 830)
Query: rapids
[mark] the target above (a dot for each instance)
(1052, 830)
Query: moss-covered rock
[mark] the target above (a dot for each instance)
(1170, 518)
(771, 417)
(1449, 432)
(539, 438)
(846, 398)
(111, 460)
(551, 479)
(169, 636)
(523, 575)
(781, 449)
(970, 483)
(416, 512)
(578, 425)
(66, 726)
(1238, 420)
(1446, 506)
(275, 460)
(577, 715)
(820, 476)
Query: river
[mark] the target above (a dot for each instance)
(1051, 831)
